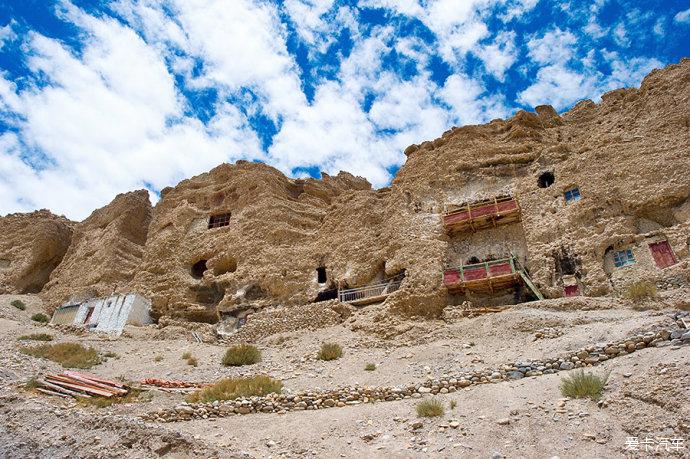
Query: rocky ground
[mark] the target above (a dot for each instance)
(646, 395)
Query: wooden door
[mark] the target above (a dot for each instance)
(572, 290)
(663, 254)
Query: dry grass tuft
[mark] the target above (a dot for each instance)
(36, 337)
(430, 408)
(232, 388)
(242, 354)
(583, 385)
(134, 395)
(69, 355)
(640, 290)
(330, 351)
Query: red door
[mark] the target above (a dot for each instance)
(88, 315)
(572, 290)
(663, 254)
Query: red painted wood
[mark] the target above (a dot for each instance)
(475, 273)
(500, 270)
(572, 290)
(451, 277)
(663, 254)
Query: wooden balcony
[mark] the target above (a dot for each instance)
(488, 213)
(487, 277)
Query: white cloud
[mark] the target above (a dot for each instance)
(683, 17)
(469, 101)
(554, 47)
(500, 55)
(7, 33)
(107, 121)
(561, 86)
(620, 35)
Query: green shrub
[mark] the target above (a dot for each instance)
(69, 355)
(370, 367)
(19, 304)
(36, 337)
(242, 354)
(583, 385)
(40, 317)
(232, 388)
(330, 351)
(640, 290)
(430, 408)
(31, 383)
(453, 404)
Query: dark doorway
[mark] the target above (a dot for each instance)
(546, 179)
(198, 269)
(321, 275)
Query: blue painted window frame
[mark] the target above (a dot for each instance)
(572, 195)
(623, 257)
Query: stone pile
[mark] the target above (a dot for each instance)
(284, 320)
(314, 400)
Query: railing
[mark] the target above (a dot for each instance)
(465, 213)
(372, 291)
(477, 271)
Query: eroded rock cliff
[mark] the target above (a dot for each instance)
(31, 246)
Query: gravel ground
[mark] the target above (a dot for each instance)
(646, 395)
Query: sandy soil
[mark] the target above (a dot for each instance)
(646, 395)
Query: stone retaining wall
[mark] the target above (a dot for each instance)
(314, 400)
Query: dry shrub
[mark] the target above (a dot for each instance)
(232, 388)
(41, 318)
(242, 354)
(330, 351)
(36, 337)
(186, 355)
(583, 385)
(134, 395)
(640, 290)
(69, 355)
(192, 361)
(430, 408)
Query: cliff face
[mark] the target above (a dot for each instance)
(268, 252)
(629, 156)
(242, 237)
(31, 247)
(105, 251)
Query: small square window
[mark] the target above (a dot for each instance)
(572, 195)
(623, 258)
(216, 221)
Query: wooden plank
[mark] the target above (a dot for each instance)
(50, 392)
(95, 378)
(76, 376)
(65, 382)
(63, 390)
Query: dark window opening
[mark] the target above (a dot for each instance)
(216, 221)
(473, 260)
(546, 179)
(198, 269)
(321, 275)
(328, 294)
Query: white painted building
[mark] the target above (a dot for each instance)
(107, 315)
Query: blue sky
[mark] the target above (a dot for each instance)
(103, 97)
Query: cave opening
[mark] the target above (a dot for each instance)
(321, 276)
(198, 269)
(546, 179)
